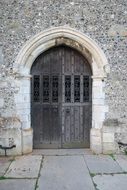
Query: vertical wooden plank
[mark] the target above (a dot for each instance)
(87, 122)
(55, 128)
(72, 137)
(76, 122)
(46, 124)
(81, 135)
(67, 124)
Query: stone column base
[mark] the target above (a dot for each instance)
(96, 140)
(108, 138)
(103, 140)
(23, 139)
(27, 141)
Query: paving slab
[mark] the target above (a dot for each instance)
(24, 167)
(102, 164)
(122, 161)
(64, 173)
(111, 182)
(61, 152)
(20, 184)
(4, 164)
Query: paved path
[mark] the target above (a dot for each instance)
(63, 170)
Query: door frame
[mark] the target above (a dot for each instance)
(100, 69)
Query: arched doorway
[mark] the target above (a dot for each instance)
(61, 100)
(39, 44)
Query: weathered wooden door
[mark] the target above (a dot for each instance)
(61, 99)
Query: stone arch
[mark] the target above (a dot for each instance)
(95, 56)
(56, 36)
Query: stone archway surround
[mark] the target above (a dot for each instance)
(37, 45)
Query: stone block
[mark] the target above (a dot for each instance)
(23, 111)
(109, 148)
(25, 105)
(95, 132)
(98, 113)
(96, 149)
(98, 101)
(25, 117)
(102, 164)
(98, 124)
(106, 182)
(97, 83)
(18, 98)
(97, 92)
(1, 102)
(108, 137)
(3, 84)
(122, 161)
(26, 97)
(109, 129)
(96, 140)
(26, 124)
(111, 122)
(27, 140)
(65, 172)
(24, 167)
(9, 137)
(21, 184)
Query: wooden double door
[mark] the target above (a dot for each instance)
(61, 99)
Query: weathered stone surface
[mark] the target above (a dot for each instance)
(109, 148)
(117, 29)
(60, 152)
(122, 161)
(10, 137)
(4, 164)
(96, 140)
(1, 102)
(108, 137)
(64, 172)
(24, 166)
(21, 184)
(27, 140)
(102, 164)
(106, 182)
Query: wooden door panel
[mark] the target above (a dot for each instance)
(77, 123)
(55, 129)
(61, 99)
(76, 75)
(87, 122)
(37, 123)
(46, 120)
(46, 91)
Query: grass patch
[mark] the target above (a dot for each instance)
(95, 185)
(12, 159)
(36, 187)
(124, 173)
(2, 178)
(125, 151)
(112, 156)
(92, 174)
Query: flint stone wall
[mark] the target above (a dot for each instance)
(103, 21)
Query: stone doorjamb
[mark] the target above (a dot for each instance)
(79, 41)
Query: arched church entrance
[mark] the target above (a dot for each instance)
(62, 76)
(61, 101)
